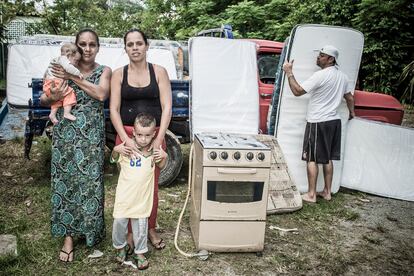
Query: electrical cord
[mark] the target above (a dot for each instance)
(203, 254)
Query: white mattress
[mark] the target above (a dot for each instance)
(291, 121)
(224, 86)
(379, 159)
(27, 61)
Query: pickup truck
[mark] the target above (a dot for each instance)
(369, 105)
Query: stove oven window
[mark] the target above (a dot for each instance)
(234, 192)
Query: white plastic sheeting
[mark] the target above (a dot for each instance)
(27, 61)
(379, 159)
(290, 125)
(224, 87)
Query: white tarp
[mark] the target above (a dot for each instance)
(290, 125)
(224, 86)
(27, 61)
(378, 159)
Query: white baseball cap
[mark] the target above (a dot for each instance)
(330, 51)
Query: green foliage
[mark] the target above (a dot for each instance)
(10, 9)
(247, 18)
(387, 31)
(66, 17)
(407, 80)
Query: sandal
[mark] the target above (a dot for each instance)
(68, 256)
(121, 255)
(142, 263)
(160, 245)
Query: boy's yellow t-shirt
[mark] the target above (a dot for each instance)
(135, 189)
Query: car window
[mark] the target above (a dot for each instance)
(267, 64)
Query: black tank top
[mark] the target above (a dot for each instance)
(135, 100)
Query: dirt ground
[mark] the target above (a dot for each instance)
(354, 234)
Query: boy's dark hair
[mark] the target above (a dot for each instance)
(144, 37)
(145, 120)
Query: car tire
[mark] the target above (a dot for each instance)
(174, 162)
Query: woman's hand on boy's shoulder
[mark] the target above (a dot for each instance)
(125, 150)
(122, 149)
(159, 154)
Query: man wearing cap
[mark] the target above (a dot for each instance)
(322, 139)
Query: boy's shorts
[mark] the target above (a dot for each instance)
(322, 142)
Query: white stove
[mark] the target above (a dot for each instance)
(229, 192)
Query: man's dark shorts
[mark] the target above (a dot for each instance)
(322, 142)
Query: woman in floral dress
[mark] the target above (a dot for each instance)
(78, 152)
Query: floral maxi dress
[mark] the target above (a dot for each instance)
(77, 169)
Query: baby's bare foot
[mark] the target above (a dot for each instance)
(69, 117)
(53, 119)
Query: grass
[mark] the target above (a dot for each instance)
(332, 238)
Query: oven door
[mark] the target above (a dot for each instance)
(234, 193)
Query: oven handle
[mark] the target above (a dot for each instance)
(236, 171)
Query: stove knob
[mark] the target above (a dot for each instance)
(249, 156)
(261, 156)
(224, 155)
(236, 155)
(213, 155)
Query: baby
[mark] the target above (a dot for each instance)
(69, 58)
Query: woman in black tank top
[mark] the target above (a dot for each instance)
(136, 88)
(135, 100)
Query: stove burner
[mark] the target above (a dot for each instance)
(230, 140)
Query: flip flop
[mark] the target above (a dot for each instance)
(142, 263)
(160, 245)
(68, 256)
(121, 255)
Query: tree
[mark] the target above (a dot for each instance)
(388, 31)
(11, 9)
(108, 18)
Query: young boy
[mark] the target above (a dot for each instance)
(135, 190)
(69, 58)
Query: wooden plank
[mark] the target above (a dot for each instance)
(283, 196)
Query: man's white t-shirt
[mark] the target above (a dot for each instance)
(326, 89)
